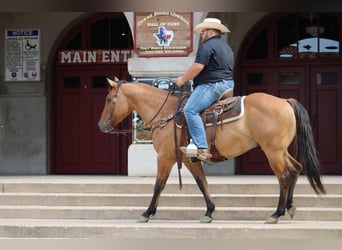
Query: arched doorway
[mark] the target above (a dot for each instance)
(96, 47)
(297, 55)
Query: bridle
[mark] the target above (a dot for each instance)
(112, 101)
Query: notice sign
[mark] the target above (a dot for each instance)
(163, 33)
(22, 55)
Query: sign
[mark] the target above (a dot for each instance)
(163, 33)
(22, 55)
(110, 56)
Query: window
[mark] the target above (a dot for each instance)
(102, 31)
(71, 82)
(99, 82)
(76, 42)
(326, 78)
(259, 48)
(288, 78)
(287, 36)
(308, 35)
(256, 79)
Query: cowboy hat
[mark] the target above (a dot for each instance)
(211, 23)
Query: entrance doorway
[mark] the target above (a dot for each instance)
(78, 97)
(281, 57)
(80, 147)
(326, 115)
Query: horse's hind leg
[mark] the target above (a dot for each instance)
(287, 174)
(164, 168)
(295, 171)
(197, 171)
(277, 163)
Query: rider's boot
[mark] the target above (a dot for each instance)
(202, 154)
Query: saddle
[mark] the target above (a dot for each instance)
(228, 108)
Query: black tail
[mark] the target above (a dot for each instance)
(306, 146)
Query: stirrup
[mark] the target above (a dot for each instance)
(203, 154)
(189, 152)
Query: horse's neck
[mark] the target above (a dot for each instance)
(147, 101)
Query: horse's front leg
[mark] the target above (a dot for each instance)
(196, 170)
(164, 168)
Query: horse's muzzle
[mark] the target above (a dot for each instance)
(105, 126)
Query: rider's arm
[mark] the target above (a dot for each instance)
(194, 70)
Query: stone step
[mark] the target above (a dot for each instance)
(164, 212)
(167, 199)
(164, 229)
(109, 207)
(144, 185)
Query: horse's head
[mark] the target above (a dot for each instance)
(116, 107)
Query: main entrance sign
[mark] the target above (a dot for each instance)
(109, 56)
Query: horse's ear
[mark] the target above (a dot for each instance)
(111, 82)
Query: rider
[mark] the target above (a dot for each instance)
(212, 74)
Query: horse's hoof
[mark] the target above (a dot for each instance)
(143, 219)
(271, 220)
(206, 219)
(292, 212)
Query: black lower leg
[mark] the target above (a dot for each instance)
(284, 183)
(294, 173)
(281, 206)
(210, 204)
(152, 208)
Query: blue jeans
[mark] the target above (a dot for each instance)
(201, 98)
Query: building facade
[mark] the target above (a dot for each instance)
(48, 117)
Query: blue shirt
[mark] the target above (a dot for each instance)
(218, 58)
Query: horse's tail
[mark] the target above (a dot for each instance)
(306, 146)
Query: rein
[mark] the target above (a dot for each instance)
(178, 153)
(172, 90)
(113, 101)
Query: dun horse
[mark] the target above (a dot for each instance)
(269, 122)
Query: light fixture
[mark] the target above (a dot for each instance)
(313, 30)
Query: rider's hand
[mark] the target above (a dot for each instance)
(179, 81)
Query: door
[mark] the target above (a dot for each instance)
(80, 147)
(319, 89)
(296, 55)
(326, 110)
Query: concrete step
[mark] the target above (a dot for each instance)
(109, 206)
(167, 199)
(164, 212)
(165, 229)
(144, 185)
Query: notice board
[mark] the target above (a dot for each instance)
(22, 55)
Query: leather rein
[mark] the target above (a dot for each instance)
(113, 101)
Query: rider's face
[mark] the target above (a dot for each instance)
(204, 35)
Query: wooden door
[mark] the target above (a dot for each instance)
(80, 147)
(319, 89)
(326, 113)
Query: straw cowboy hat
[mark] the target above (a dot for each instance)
(211, 23)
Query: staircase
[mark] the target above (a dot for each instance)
(109, 207)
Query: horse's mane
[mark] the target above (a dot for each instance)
(151, 88)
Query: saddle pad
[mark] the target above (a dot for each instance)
(229, 110)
